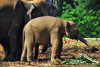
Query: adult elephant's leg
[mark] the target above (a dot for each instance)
(12, 34)
(7, 47)
(19, 44)
(13, 30)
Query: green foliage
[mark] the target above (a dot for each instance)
(79, 60)
(64, 36)
(87, 20)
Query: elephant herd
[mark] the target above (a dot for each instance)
(13, 17)
(38, 31)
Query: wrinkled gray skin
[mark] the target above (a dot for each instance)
(48, 30)
(13, 17)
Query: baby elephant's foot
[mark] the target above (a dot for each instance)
(23, 58)
(30, 59)
(56, 61)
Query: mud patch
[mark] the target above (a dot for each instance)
(67, 52)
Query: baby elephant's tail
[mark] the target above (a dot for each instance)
(23, 38)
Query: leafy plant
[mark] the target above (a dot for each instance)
(81, 59)
(87, 20)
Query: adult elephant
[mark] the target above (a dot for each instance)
(13, 16)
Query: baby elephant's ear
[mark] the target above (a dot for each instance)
(67, 26)
(30, 11)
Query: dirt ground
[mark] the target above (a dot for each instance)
(70, 48)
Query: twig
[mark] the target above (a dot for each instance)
(90, 59)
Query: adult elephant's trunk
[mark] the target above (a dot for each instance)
(92, 48)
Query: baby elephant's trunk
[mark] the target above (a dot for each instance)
(92, 48)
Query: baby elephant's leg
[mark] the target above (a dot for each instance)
(30, 45)
(24, 52)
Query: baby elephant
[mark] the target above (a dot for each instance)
(48, 30)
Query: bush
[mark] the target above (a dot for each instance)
(88, 21)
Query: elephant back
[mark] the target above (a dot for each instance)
(6, 2)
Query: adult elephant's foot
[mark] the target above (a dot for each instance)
(17, 59)
(5, 59)
(9, 58)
